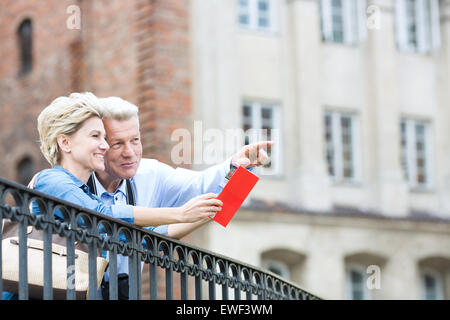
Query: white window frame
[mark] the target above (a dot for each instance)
(336, 138)
(353, 19)
(256, 123)
(367, 295)
(411, 154)
(253, 16)
(424, 43)
(437, 276)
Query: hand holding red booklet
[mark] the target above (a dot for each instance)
(234, 193)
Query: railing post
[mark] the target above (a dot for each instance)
(184, 285)
(71, 280)
(23, 260)
(113, 281)
(48, 290)
(153, 279)
(1, 254)
(132, 276)
(211, 277)
(169, 282)
(92, 254)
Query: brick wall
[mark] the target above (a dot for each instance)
(138, 50)
(163, 72)
(23, 97)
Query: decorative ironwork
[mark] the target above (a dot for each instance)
(140, 245)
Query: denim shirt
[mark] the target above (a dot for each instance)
(60, 183)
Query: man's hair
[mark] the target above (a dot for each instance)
(118, 109)
(65, 115)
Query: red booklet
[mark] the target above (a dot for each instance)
(234, 194)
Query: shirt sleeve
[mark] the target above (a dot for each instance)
(180, 185)
(163, 229)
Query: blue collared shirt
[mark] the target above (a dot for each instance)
(60, 183)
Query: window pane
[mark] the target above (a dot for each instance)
(357, 285)
(420, 153)
(266, 113)
(243, 12)
(337, 21)
(243, 19)
(329, 144)
(430, 287)
(25, 170)
(404, 152)
(25, 34)
(247, 111)
(267, 126)
(347, 148)
(263, 13)
(246, 120)
(411, 22)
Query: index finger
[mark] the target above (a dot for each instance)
(262, 144)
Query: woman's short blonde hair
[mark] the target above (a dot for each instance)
(64, 115)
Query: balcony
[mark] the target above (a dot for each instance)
(222, 277)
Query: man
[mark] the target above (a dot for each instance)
(154, 184)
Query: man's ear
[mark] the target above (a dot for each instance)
(63, 143)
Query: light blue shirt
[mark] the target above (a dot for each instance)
(60, 183)
(159, 185)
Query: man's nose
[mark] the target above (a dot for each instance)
(127, 150)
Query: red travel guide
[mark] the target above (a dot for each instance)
(234, 194)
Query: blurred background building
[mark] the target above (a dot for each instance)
(356, 201)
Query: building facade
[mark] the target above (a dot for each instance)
(358, 93)
(356, 201)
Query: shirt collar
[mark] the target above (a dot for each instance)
(77, 181)
(101, 190)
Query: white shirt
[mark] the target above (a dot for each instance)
(158, 185)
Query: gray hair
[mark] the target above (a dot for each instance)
(118, 109)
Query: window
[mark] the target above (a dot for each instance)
(261, 121)
(257, 14)
(277, 267)
(343, 21)
(415, 153)
(356, 283)
(418, 27)
(25, 170)
(432, 285)
(25, 37)
(341, 143)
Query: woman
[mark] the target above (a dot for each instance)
(72, 140)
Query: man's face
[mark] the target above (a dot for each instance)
(125, 153)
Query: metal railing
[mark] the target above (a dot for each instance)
(159, 252)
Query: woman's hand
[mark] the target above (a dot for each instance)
(200, 207)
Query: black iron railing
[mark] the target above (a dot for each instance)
(234, 279)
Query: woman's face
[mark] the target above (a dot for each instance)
(88, 145)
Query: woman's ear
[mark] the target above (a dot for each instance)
(63, 143)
